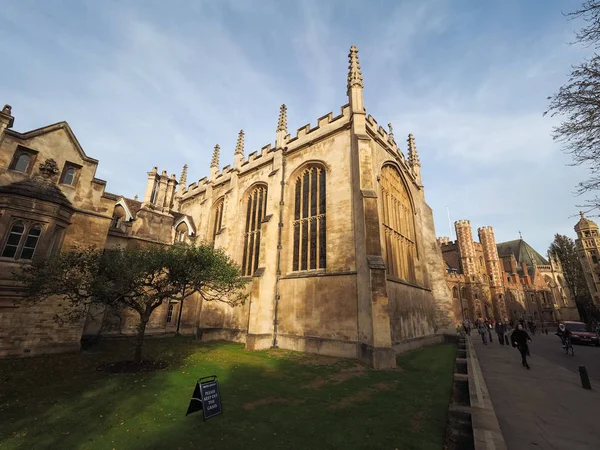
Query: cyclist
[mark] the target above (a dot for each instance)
(563, 333)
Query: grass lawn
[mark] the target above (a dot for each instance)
(271, 399)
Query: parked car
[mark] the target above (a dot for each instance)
(582, 334)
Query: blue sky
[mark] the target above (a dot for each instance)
(145, 83)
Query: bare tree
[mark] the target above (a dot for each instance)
(578, 103)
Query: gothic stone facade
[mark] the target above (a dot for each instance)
(507, 280)
(330, 227)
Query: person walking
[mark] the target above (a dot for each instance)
(500, 328)
(519, 339)
(507, 328)
(467, 327)
(489, 329)
(482, 329)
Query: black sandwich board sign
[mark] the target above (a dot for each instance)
(206, 397)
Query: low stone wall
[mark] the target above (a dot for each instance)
(472, 421)
(35, 329)
(222, 334)
(413, 344)
(318, 345)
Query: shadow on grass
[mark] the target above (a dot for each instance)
(47, 399)
(271, 399)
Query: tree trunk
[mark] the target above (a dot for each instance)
(180, 311)
(139, 339)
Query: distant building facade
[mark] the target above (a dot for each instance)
(330, 227)
(507, 280)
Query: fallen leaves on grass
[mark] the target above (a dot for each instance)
(361, 396)
(338, 377)
(271, 401)
(416, 422)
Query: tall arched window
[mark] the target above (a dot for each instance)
(13, 240)
(256, 207)
(309, 219)
(218, 218)
(454, 292)
(398, 225)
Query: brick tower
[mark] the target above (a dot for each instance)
(464, 235)
(466, 248)
(492, 265)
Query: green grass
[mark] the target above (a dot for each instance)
(271, 399)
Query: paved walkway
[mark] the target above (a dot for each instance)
(542, 408)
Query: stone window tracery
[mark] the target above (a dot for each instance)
(310, 221)
(31, 242)
(22, 240)
(398, 225)
(256, 206)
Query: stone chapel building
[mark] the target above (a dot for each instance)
(329, 225)
(507, 280)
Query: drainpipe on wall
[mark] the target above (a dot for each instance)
(279, 237)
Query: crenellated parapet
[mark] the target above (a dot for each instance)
(455, 277)
(304, 136)
(443, 240)
(326, 125)
(383, 137)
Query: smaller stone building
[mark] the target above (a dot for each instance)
(507, 280)
(50, 199)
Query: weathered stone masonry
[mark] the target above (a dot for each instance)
(330, 225)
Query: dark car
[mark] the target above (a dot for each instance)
(581, 333)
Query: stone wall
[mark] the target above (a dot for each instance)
(81, 208)
(32, 329)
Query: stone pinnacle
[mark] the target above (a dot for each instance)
(215, 158)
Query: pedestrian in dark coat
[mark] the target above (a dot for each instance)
(519, 339)
(482, 329)
(500, 329)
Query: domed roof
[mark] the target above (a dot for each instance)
(585, 224)
(37, 188)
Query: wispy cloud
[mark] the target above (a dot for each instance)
(160, 84)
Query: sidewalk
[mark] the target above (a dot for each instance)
(542, 408)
